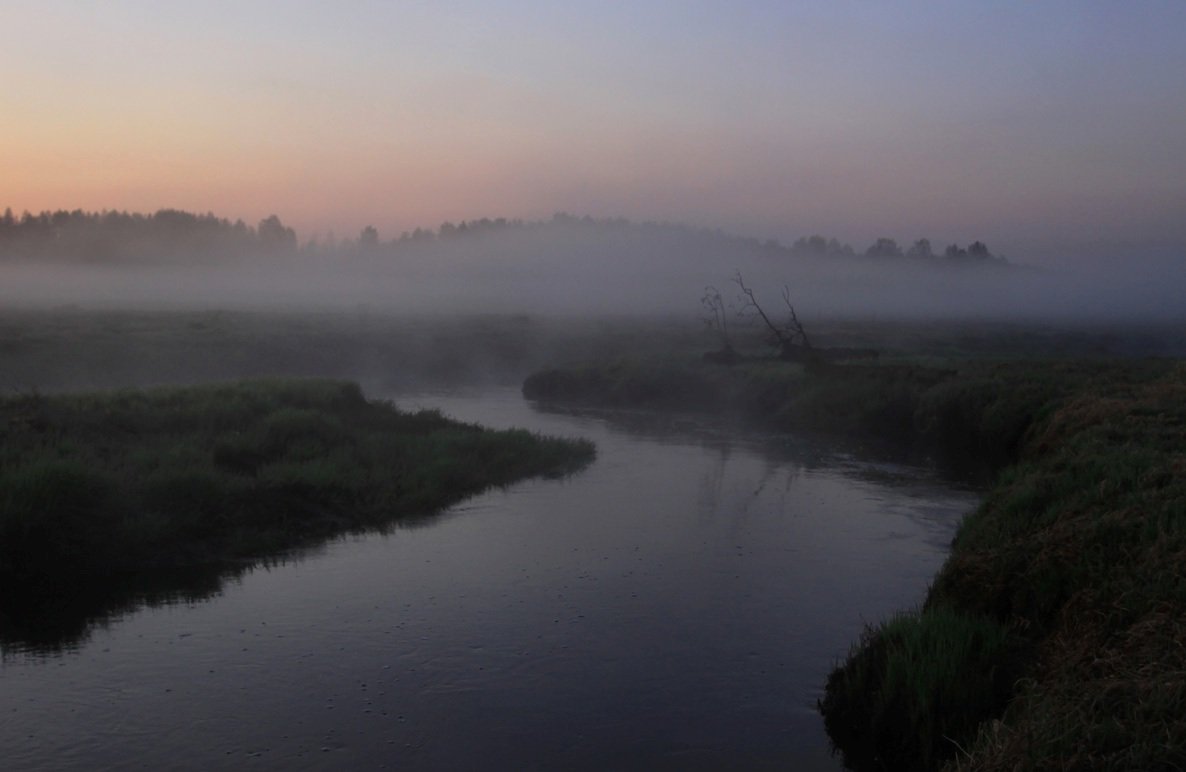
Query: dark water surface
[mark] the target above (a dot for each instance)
(676, 605)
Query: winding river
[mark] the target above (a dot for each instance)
(675, 605)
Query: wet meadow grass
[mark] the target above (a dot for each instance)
(92, 484)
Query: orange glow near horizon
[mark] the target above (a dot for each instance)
(758, 120)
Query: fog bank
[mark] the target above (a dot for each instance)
(577, 268)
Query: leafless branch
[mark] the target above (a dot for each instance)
(750, 305)
(793, 322)
(715, 316)
(790, 339)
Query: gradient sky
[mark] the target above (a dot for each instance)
(1037, 127)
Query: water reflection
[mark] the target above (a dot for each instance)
(868, 459)
(785, 456)
(55, 617)
(675, 605)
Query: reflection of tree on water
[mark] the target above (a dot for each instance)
(713, 499)
(775, 461)
(712, 485)
(789, 472)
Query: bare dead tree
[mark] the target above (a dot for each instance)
(716, 318)
(793, 324)
(789, 338)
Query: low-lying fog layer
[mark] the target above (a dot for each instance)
(577, 269)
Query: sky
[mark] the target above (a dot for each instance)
(1040, 128)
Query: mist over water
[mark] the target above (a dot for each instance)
(578, 269)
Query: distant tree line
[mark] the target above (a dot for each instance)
(810, 246)
(112, 236)
(175, 235)
(818, 246)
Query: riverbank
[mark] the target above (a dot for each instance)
(1052, 636)
(93, 485)
(970, 415)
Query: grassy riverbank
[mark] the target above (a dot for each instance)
(97, 484)
(1052, 637)
(972, 413)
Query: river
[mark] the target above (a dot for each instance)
(676, 605)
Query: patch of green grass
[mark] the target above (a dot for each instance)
(917, 686)
(61, 510)
(1078, 550)
(100, 483)
(974, 416)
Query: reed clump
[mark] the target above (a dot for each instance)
(915, 682)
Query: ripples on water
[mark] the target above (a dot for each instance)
(676, 605)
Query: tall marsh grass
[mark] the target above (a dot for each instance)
(101, 483)
(917, 686)
(1078, 552)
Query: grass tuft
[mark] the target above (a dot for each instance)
(916, 687)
